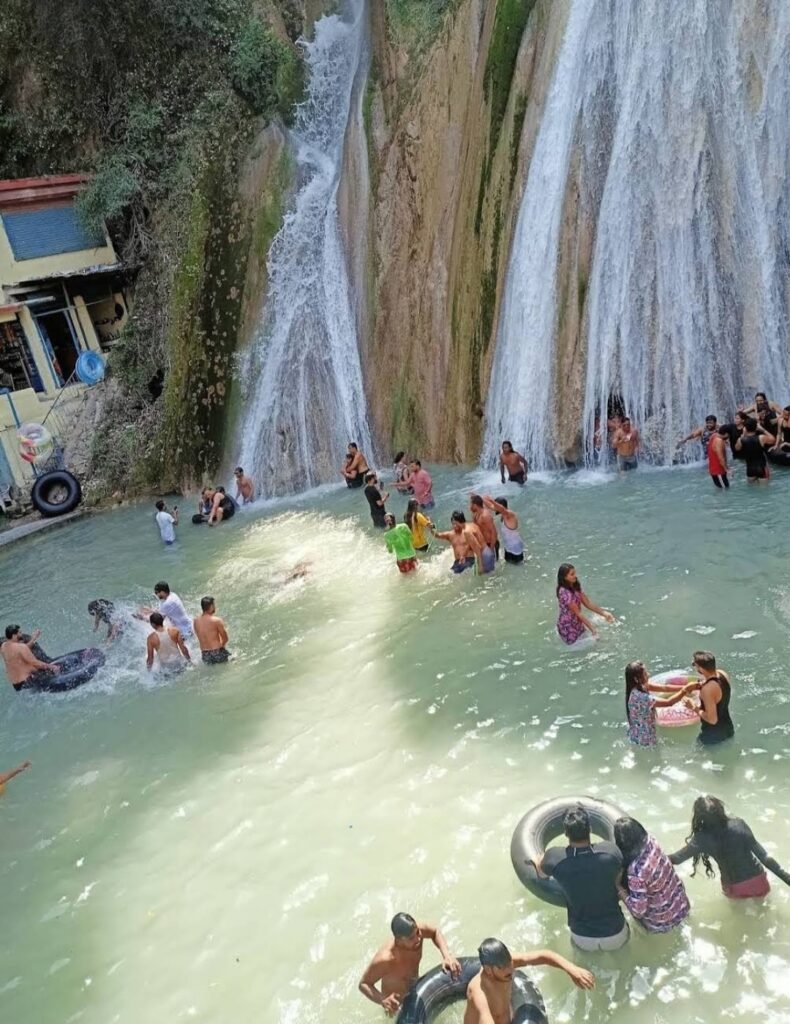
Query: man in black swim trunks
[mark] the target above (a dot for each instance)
(753, 452)
(515, 464)
(222, 507)
(211, 633)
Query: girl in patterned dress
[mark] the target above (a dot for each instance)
(640, 707)
(571, 624)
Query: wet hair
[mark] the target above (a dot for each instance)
(206, 602)
(417, 463)
(635, 679)
(97, 606)
(353, 444)
(403, 925)
(710, 417)
(370, 475)
(576, 824)
(221, 490)
(508, 443)
(160, 505)
(11, 632)
(740, 416)
(626, 419)
(476, 500)
(411, 511)
(494, 953)
(239, 470)
(156, 619)
(722, 432)
(389, 519)
(562, 583)
(749, 424)
(709, 816)
(786, 408)
(761, 394)
(502, 502)
(705, 660)
(398, 456)
(630, 836)
(161, 586)
(457, 517)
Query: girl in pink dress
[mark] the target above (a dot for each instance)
(571, 624)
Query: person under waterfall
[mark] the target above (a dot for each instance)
(355, 467)
(515, 464)
(626, 444)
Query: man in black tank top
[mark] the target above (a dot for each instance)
(753, 452)
(714, 715)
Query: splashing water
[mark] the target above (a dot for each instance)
(675, 114)
(307, 397)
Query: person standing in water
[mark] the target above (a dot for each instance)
(167, 643)
(640, 707)
(376, 499)
(753, 452)
(355, 467)
(422, 485)
(419, 526)
(245, 488)
(731, 843)
(171, 606)
(211, 633)
(715, 723)
(467, 543)
(515, 464)
(650, 886)
(400, 471)
(783, 432)
(703, 434)
(398, 541)
(167, 522)
(717, 459)
(626, 443)
(396, 966)
(512, 542)
(489, 993)
(485, 522)
(571, 624)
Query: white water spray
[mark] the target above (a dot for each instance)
(680, 114)
(306, 397)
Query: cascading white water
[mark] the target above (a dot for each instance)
(679, 111)
(305, 394)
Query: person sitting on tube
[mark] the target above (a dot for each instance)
(488, 997)
(588, 874)
(396, 966)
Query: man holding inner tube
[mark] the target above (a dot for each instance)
(397, 964)
(588, 874)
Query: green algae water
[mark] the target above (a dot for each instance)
(231, 845)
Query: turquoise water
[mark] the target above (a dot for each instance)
(232, 845)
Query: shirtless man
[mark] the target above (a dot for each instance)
(489, 992)
(167, 642)
(22, 667)
(626, 443)
(356, 466)
(211, 633)
(467, 543)
(485, 521)
(397, 964)
(245, 488)
(515, 464)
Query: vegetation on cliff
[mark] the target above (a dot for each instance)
(159, 99)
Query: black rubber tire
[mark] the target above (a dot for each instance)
(56, 493)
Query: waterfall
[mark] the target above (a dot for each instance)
(676, 115)
(306, 397)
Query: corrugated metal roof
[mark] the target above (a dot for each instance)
(48, 232)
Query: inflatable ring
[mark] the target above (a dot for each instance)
(90, 367)
(76, 668)
(435, 990)
(780, 458)
(56, 493)
(35, 443)
(540, 826)
(677, 715)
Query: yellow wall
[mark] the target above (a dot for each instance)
(29, 408)
(13, 272)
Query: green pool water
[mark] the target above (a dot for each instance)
(231, 845)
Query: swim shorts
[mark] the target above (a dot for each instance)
(626, 462)
(514, 559)
(517, 478)
(488, 559)
(759, 473)
(407, 565)
(462, 565)
(215, 657)
(355, 481)
(751, 889)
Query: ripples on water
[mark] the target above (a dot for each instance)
(239, 838)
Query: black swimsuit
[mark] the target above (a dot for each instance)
(723, 729)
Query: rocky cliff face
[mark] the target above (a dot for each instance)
(450, 133)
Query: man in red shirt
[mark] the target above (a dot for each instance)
(422, 485)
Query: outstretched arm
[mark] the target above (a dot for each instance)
(764, 857)
(547, 958)
(7, 776)
(595, 608)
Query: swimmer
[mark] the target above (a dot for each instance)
(397, 964)
(640, 708)
(512, 540)
(419, 524)
(489, 992)
(716, 725)
(245, 488)
(783, 432)
(467, 543)
(748, 444)
(167, 642)
(23, 669)
(762, 404)
(703, 434)
(299, 572)
(223, 507)
(355, 466)
(103, 611)
(717, 459)
(571, 624)
(485, 522)
(12, 774)
(211, 633)
(515, 464)
(734, 432)
(204, 506)
(625, 442)
(398, 541)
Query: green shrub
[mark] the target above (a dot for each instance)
(111, 190)
(265, 70)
